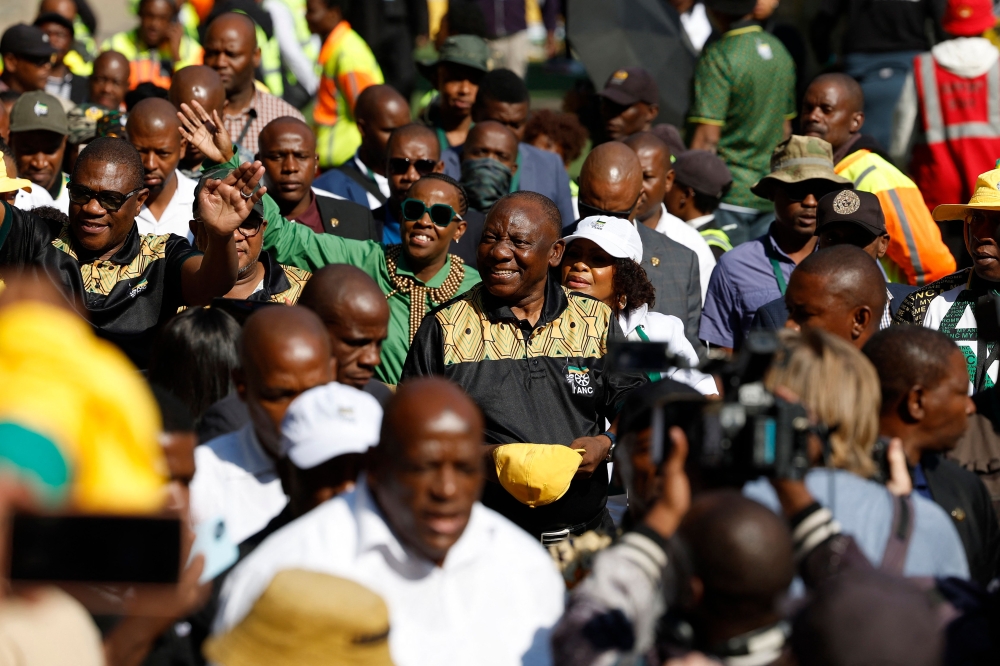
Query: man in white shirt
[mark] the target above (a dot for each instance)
(463, 584)
(657, 180)
(154, 130)
(284, 351)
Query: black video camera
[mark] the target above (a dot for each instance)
(749, 433)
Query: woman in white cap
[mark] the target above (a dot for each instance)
(602, 260)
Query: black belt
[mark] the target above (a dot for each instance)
(557, 536)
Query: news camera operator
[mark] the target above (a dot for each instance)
(694, 553)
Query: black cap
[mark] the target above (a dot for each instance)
(52, 17)
(219, 173)
(860, 208)
(704, 172)
(26, 40)
(671, 136)
(630, 85)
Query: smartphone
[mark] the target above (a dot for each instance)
(212, 541)
(95, 549)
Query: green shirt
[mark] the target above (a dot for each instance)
(297, 245)
(745, 84)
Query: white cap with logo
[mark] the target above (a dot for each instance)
(614, 235)
(329, 421)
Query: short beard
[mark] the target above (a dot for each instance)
(249, 268)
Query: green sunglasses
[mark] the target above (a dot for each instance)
(441, 214)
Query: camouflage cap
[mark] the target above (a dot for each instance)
(466, 50)
(797, 159)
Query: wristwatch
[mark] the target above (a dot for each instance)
(614, 442)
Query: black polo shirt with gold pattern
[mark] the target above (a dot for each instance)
(127, 297)
(542, 384)
(282, 284)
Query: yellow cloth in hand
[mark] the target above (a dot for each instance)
(536, 474)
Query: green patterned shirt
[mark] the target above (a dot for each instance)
(745, 84)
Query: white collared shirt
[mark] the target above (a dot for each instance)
(493, 601)
(176, 217)
(235, 480)
(669, 329)
(677, 230)
(381, 181)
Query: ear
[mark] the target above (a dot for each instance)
(883, 245)
(460, 229)
(10, 62)
(513, 169)
(240, 380)
(915, 408)
(439, 167)
(670, 179)
(654, 110)
(697, 587)
(362, 125)
(141, 199)
(857, 121)
(862, 320)
(256, 58)
(556, 253)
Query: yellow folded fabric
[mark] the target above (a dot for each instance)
(536, 474)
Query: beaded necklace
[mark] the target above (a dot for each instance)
(407, 284)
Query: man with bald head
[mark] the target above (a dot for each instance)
(231, 49)
(531, 354)
(108, 83)
(378, 111)
(451, 571)
(287, 149)
(284, 351)
(356, 316)
(833, 110)
(611, 183)
(658, 179)
(412, 152)
(489, 164)
(154, 130)
(839, 290)
(202, 84)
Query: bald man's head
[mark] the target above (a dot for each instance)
(379, 110)
(427, 469)
(657, 173)
(492, 140)
(356, 316)
(108, 82)
(419, 145)
(610, 181)
(840, 290)
(231, 50)
(154, 130)
(741, 554)
(284, 350)
(833, 109)
(198, 83)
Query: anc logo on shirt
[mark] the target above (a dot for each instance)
(579, 380)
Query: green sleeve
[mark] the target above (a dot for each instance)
(297, 245)
(469, 280)
(711, 91)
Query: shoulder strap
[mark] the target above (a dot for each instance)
(899, 539)
(363, 181)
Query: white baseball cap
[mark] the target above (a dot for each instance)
(616, 236)
(329, 421)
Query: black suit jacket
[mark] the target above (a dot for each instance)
(347, 219)
(772, 316)
(350, 170)
(673, 271)
(964, 497)
(468, 245)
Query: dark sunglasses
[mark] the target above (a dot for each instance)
(441, 214)
(587, 210)
(797, 192)
(109, 199)
(400, 165)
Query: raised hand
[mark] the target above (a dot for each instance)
(205, 132)
(224, 204)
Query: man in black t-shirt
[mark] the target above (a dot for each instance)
(129, 284)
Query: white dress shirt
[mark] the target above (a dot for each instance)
(235, 480)
(381, 181)
(176, 217)
(40, 197)
(493, 601)
(669, 329)
(677, 230)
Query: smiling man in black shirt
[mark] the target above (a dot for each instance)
(531, 354)
(129, 283)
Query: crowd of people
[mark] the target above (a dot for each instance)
(387, 377)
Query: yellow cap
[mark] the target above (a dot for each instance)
(306, 618)
(536, 474)
(11, 184)
(985, 197)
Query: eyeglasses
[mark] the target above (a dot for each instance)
(108, 199)
(248, 228)
(400, 165)
(441, 214)
(586, 210)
